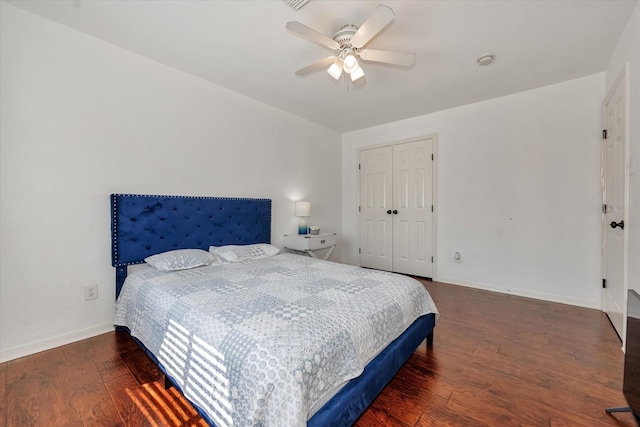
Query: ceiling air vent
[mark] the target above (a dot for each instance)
(296, 4)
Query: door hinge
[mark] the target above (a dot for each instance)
(604, 283)
(358, 166)
(431, 208)
(431, 260)
(359, 208)
(359, 250)
(432, 157)
(604, 134)
(604, 208)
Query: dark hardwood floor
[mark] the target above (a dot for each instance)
(497, 360)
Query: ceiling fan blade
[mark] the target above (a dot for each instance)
(318, 65)
(397, 58)
(379, 18)
(312, 35)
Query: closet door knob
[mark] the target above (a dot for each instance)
(395, 212)
(389, 212)
(617, 224)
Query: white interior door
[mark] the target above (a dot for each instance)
(614, 246)
(376, 218)
(412, 215)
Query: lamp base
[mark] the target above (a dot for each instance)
(302, 227)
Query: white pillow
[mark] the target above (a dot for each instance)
(180, 259)
(232, 253)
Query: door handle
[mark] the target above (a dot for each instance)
(395, 212)
(389, 212)
(617, 224)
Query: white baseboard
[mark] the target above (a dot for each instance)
(562, 299)
(49, 343)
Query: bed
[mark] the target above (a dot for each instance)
(225, 358)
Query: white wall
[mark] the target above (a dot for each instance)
(628, 51)
(518, 190)
(82, 119)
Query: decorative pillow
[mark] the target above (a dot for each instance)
(181, 259)
(232, 253)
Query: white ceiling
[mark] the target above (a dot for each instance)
(244, 46)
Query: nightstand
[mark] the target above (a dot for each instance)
(309, 243)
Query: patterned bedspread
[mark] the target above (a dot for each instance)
(267, 341)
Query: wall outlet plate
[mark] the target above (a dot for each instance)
(90, 292)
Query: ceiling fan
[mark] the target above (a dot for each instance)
(349, 42)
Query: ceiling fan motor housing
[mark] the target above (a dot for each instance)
(344, 34)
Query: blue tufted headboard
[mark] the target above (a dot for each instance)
(144, 225)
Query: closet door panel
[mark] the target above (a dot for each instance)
(375, 201)
(412, 195)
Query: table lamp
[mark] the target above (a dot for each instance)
(303, 210)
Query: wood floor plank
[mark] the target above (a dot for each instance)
(22, 404)
(112, 368)
(125, 393)
(87, 392)
(488, 408)
(20, 369)
(58, 411)
(497, 360)
(141, 366)
(441, 415)
(380, 416)
(3, 387)
(102, 414)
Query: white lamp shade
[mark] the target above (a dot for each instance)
(356, 74)
(350, 63)
(335, 70)
(303, 209)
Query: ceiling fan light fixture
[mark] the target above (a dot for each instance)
(356, 74)
(350, 63)
(335, 70)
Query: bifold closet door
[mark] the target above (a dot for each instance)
(396, 208)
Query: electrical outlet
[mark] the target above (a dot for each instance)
(90, 292)
(457, 258)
